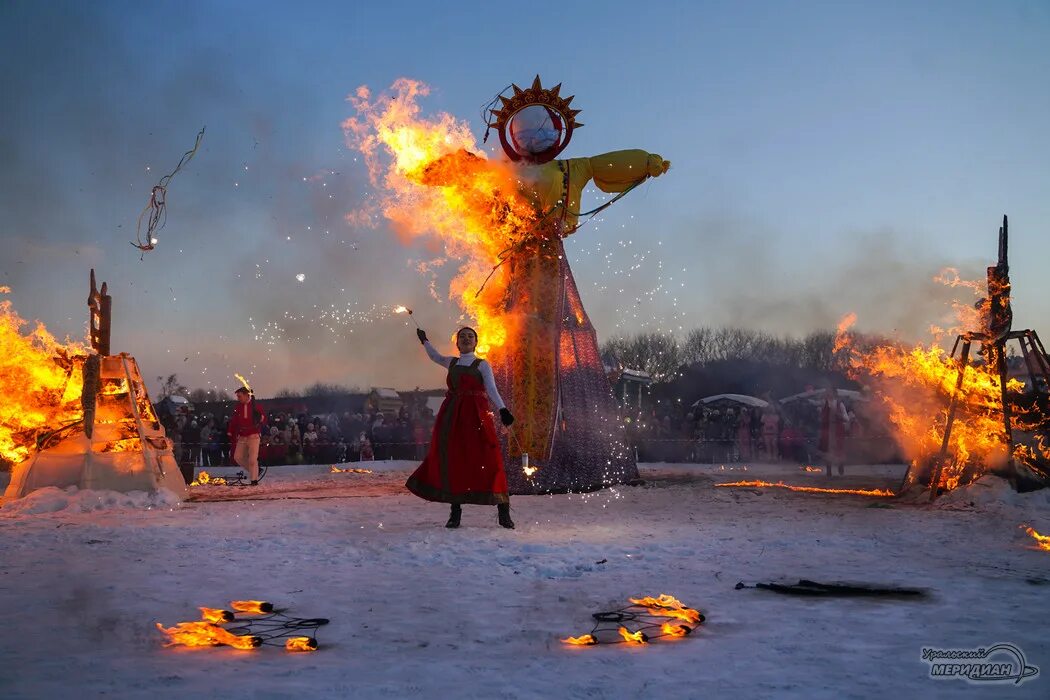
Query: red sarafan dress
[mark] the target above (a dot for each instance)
(464, 463)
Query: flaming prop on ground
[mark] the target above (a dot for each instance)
(349, 470)
(263, 626)
(957, 417)
(78, 416)
(206, 479)
(878, 493)
(1041, 541)
(647, 616)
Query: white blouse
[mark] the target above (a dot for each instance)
(468, 359)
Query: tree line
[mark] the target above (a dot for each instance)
(662, 355)
(171, 386)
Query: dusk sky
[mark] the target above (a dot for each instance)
(828, 157)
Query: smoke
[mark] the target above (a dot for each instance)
(743, 274)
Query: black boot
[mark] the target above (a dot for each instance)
(454, 515)
(503, 516)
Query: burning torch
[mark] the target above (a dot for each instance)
(406, 310)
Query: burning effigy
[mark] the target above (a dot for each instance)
(76, 415)
(504, 222)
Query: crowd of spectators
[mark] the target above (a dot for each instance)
(709, 434)
(740, 433)
(202, 440)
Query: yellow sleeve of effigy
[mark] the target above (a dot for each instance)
(618, 170)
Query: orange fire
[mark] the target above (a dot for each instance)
(675, 630)
(252, 606)
(881, 493)
(204, 478)
(841, 336)
(668, 606)
(430, 184)
(633, 637)
(349, 470)
(127, 445)
(583, 640)
(39, 381)
(1041, 541)
(914, 387)
(301, 644)
(216, 615)
(114, 387)
(810, 468)
(206, 634)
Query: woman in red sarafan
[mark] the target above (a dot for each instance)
(464, 463)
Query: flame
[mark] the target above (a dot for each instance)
(431, 184)
(301, 644)
(114, 387)
(252, 606)
(126, 445)
(205, 634)
(668, 606)
(915, 384)
(349, 470)
(633, 637)
(216, 615)
(675, 630)
(841, 336)
(1041, 541)
(881, 493)
(243, 381)
(582, 640)
(402, 310)
(810, 468)
(206, 478)
(40, 381)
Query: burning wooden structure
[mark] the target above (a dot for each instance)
(1025, 462)
(105, 433)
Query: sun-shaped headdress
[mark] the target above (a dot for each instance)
(536, 123)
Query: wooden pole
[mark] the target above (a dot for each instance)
(953, 405)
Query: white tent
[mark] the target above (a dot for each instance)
(816, 396)
(732, 398)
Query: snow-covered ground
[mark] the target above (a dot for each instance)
(420, 611)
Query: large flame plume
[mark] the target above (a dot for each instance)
(914, 385)
(433, 182)
(40, 383)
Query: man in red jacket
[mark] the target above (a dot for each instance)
(245, 424)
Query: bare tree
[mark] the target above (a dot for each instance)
(657, 354)
(208, 395)
(170, 386)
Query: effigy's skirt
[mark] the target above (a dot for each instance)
(552, 378)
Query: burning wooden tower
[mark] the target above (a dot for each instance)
(1025, 414)
(109, 436)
